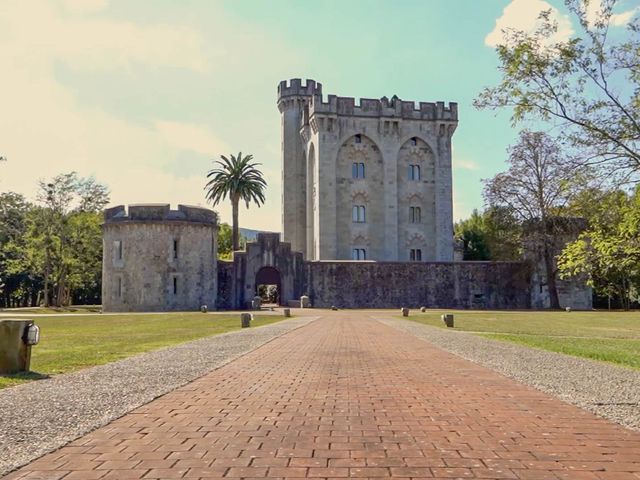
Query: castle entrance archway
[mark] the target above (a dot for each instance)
(269, 285)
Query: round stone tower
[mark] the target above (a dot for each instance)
(158, 259)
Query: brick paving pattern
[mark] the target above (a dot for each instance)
(347, 396)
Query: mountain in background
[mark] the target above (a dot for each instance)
(250, 234)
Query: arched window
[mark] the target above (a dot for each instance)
(414, 172)
(414, 141)
(358, 138)
(415, 255)
(359, 254)
(415, 215)
(358, 214)
(357, 170)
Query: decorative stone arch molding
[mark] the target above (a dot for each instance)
(423, 151)
(352, 131)
(361, 197)
(415, 198)
(415, 240)
(360, 240)
(358, 151)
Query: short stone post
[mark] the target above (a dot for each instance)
(405, 311)
(447, 318)
(245, 319)
(204, 309)
(305, 302)
(423, 309)
(287, 312)
(15, 345)
(256, 303)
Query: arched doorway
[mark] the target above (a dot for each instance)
(269, 285)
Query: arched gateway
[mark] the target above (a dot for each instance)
(266, 261)
(269, 277)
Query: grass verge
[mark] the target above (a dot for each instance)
(73, 342)
(605, 336)
(612, 350)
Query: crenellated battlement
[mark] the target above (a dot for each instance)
(295, 87)
(370, 107)
(159, 212)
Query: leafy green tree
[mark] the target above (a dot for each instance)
(239, 179)
(473, 233)
(14, 209)
(587, 86)
(608, 252)
(535, 188)
(493, 234)
(503, 234)
(225, 246)
(63, 241)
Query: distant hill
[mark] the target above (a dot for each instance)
(250, 234)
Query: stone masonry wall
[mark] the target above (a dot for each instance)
(141, 272)
(469, 285)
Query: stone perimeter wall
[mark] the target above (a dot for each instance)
(466, 285)
(351, 284)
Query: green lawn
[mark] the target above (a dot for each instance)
(607, 336)
(69, 343)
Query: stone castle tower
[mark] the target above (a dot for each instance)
(158, 259)
(367, 181)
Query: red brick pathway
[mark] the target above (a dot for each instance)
(349, 397)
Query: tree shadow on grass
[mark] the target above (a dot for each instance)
(25, 376)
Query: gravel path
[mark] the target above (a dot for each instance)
(608, 391)
(39, 417)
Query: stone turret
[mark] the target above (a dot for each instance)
(294, 98)
(159, 259)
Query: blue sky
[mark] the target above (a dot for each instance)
(144, 94)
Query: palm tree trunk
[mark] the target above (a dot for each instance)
(235, 234)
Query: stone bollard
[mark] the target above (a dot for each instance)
(204, 309)
(245, 319)
(305, 302)
(447, 318)
(405, 311)
(287, 312)
(256, 303)
(16, 339)
(568, 309)
(423, 309)
(334, 308)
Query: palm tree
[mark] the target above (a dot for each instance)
(239, 179)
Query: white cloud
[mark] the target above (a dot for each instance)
(84, 6)
(593, 10)
(465, 165)
(45, 128)
(45, 131)
(523, 15)
(195, 138)
(93, 43)
(622, 19)
(461, 163)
